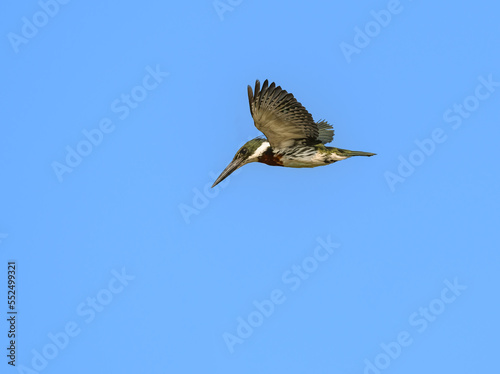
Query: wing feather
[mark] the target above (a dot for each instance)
(282, 119)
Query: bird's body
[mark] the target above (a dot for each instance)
(302, 156)
(293, 138)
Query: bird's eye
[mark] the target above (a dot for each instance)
(243, 151)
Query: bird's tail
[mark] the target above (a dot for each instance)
(349, 153)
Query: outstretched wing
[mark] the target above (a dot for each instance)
(282, 119)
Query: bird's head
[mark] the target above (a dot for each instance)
(250, 152)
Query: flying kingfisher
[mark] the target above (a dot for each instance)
(292, 140)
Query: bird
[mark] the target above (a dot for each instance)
(292, 138)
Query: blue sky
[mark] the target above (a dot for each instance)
(116, 121)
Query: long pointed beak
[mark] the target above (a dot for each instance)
(235, 164)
